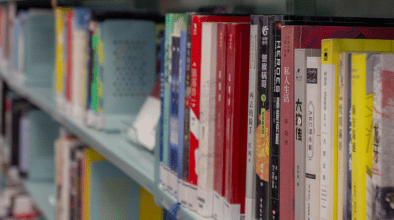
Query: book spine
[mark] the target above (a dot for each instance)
(220, 122)
(362, 104)
(250, 198)
(181, 116)
(236, 115)
(287, 126)
(312, 151)
(69, 56)
(186, 123)
(348, 138)
(207, 119)
(300, 56)
(274, 61)
(327, 117)
(89, 67)
(174, 110)
(263, 122)
(383, 122)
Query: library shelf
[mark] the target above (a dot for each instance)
(135, 161)
(43, 193)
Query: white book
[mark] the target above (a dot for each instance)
(206, 148)
(250, 194)
(327, 140)
(79, 63)
(312, 150)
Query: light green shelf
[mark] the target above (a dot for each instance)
(43, 194)
(136, 162)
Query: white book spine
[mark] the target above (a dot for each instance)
(312, 151)
(78, 65)
(327, 136)
(250, 198)
(206, 149)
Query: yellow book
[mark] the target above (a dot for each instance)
(148, 208)
(362, 140)
(329, 130)
(60, 13)
(90, 157)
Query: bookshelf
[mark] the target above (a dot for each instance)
(138, 163)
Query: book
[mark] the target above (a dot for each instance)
(236, 117)
(344, 137)
(148, 208)
(312, 138)
(382, 136)
(163, 173)
(69, 62)
(206, 148)
(79, 25)
(176, 23)
(220, 122)
(250, 194)
(197, 21)
(24, 143)
(60, 13)
(300, 114)
(362, 110)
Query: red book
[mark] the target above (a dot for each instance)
(69, 20)
(220, 125)
(294, 37)
(237, 89)
(195, 82)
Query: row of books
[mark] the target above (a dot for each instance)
(254, 123)
(83, 173)
(38, 150)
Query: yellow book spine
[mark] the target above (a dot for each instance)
(90, 157)
(59, 17)
(362, 105)
(148, 208)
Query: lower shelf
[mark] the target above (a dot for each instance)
(43, 194)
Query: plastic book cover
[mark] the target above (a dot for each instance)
(383, 114)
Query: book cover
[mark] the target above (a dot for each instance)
(163, 173)
(176, 23)
(312, 137)
(206, 148)
(148, 208)
(309, 36)
(220, 121)
(236, 117)
(329, 156)
(197, 21)
(69, 64)
(24, 143)
(382, 136)
(300, 114)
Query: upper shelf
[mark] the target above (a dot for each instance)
(136, 162)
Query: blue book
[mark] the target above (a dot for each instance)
(174, 104)
(161, 96)
(182, 87)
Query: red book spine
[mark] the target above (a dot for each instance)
(195, 82)
(236, 112)
(220, 112)
(287, 159)
(69, 55)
